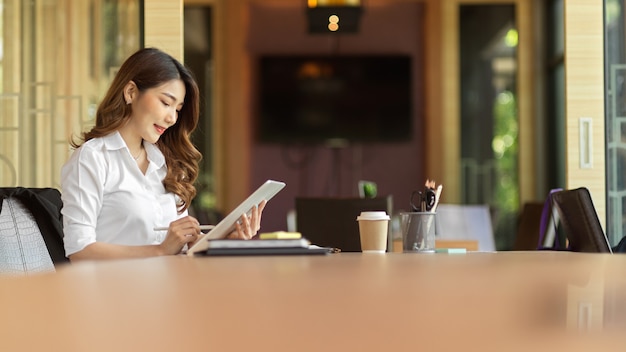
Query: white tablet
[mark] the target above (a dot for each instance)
(265, 192)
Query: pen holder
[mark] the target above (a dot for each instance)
(418, 232)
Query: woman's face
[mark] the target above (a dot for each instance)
(156, 109)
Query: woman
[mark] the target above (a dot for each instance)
(134, 171)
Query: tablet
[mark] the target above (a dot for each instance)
(265, 192)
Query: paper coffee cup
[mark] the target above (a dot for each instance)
(373, 228)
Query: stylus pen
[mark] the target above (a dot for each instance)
(202, 227)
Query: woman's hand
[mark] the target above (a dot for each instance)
(180, 232)
(248, 226)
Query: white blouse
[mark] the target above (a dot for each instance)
(106, 197)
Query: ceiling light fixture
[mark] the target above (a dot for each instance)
(334, 16)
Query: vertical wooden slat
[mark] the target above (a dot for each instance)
(434, 68)
(236, 127)
(10, 83)
(451, 109)
(163, 26)
(584, 95)
(527, 163)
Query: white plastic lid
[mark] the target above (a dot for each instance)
(372, 215)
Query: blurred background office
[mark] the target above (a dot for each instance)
(500, 101)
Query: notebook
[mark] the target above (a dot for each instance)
(266, 251)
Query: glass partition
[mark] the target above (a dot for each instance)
(615, 98)
(198, 29)
(556, 152)
(57, 59)
(489, 119)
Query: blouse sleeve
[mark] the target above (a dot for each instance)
(82, 184)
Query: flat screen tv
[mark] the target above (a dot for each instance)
(316, 99)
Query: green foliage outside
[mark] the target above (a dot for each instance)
(505, 149)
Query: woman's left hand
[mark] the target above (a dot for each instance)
(248, 226)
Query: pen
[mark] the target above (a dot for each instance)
(437, 197)
(202, 227)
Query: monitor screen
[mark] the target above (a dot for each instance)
(314, 99)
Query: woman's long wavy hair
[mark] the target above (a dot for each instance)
(150, 68)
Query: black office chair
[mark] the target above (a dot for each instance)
(331, 222)
(528, 226)
(579, 221)
(31, 230)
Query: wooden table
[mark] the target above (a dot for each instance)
(515, 301)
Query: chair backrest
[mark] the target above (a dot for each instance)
(466, 222)
(30, 230)
(331, 222)
(550, 237)
(22, 248)
(528, 226)
(579, 220)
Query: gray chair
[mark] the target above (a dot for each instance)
(579, 220)
(30, 231)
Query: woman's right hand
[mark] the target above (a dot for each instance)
(180, 232)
